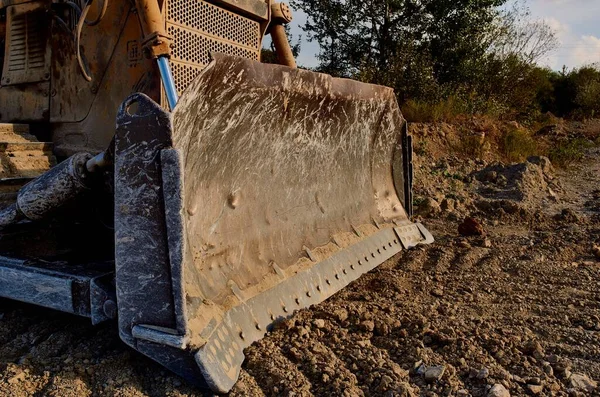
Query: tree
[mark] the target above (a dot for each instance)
(516, 34)
(401, 43)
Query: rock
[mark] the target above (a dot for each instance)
(462, 393)
(17, 378)
(535, 389)
(582, 382)
(471, 227)
(419, 368)
(498, 390)
(437, 292)
(533, 348)
(567, 215)
(518, 379)
(429, 207)
(302, 332)
(483, 373)
(319, 323)
(367, 326)
(405, 390)
(463, 244)
(552, 194)
(554, 386)
(177, 383)
(382, 328)
(543, 162)
(553, 359)
(341, 314)
(385, 384)
(534, 381)
(448, 205)
(596, 251)
(434, 373)
(486, 243)
(548, 369)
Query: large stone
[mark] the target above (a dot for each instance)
(471, 227)
(498, 390)
(535, 389)
(582, 382)
(543, 162)
(429, 207)
(433, 374)
(596, 251)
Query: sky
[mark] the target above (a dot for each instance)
(576, 23)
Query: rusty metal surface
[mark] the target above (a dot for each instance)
(285, 56)
(82, 113)
(278, 160)
(199, 28)
(27, 58)
(25, 102)
(155, 39)
(256, 9)
(84, 119)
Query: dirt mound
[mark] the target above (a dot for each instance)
(524, 182)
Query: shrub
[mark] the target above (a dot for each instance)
(568, 152)
(517, 145)
(425, 112)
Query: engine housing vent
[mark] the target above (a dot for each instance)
(27, 58)
(199, 28)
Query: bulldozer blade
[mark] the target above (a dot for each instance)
(267, 190)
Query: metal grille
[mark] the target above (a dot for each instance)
(184, 74)
(214, 21)
(27, 53)
(199, 28)
(27, 48)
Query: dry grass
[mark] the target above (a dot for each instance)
(518, 144)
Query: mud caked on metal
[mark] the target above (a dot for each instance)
(267, 190)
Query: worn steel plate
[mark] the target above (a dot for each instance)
(267, 190)
(221, 358)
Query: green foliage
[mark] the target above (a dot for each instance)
(447, 58)
(568, 152)
(421, 49)
(517, 145)
(574, 93)
(444, 110)
(420, 148)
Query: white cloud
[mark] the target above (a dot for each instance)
(588, 50)
(577, 29)
(573, 50)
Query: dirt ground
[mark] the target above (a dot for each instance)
(515, 311)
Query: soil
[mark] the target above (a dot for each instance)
(512, 310)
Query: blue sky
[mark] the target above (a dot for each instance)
(576, 23)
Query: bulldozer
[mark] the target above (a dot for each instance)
(156, 173)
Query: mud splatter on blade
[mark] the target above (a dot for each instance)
(275, 188)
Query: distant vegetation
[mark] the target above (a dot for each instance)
(446, 58)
